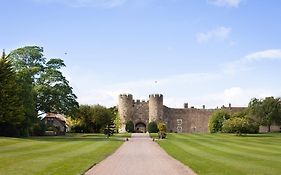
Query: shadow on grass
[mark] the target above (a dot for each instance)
(255, 135)
(75, 137)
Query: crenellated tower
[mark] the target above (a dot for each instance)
(125, 109)
(155, 107)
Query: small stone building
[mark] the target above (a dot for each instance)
(56, 124)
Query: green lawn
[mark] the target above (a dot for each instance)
(227, 154)
(72, 154)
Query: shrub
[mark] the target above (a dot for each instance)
(240, 125)
(162, 130)
(130, 126)
(152, 127)
(217, 119)
(39, 129)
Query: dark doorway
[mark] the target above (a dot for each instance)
(140, 127)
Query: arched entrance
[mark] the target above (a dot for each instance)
(140, 127)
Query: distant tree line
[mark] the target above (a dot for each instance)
(96, 119)
(30, 86)
(260, 112)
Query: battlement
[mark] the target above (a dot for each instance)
(156, 95)
(140, 101)
(126, 96)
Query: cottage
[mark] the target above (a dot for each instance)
(56, 124)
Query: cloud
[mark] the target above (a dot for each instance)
(170, 86)
(221, 33)
(87, 3)
(264, 55)
(244, 63)
(237, 96)
(225, 3)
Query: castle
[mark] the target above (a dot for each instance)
(185, 119)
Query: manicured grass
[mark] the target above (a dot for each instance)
(216, 154)
(71, 154)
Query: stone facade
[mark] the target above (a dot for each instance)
(185, 120)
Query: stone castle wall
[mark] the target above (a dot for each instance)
(187, 120)
(141, 112)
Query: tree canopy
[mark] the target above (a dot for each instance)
(52, 92)
(266, 111)
(32, 85)
(11, 105)
(217, 119)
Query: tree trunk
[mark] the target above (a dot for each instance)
(268, 128)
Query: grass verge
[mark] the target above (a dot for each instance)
(257, 154)
(70, 154)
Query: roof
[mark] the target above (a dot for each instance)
(61, 118)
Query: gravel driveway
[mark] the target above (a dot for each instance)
(140, 156)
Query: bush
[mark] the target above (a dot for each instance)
(152, 127)
(130, 126)
(217, 119)
(162, 130)
(240, 125)
(39, 129)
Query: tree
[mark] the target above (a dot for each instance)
(109, 128)
(217, 119)
(11, 106)
(117, 120)
(129, 126)
(266, 111)
(94, 119)
(152, 127)
(49, 88)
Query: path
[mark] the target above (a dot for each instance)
(140, 156)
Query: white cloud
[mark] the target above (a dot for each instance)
(221, 33)
(236, 95)
(225, 3)
(87, 3)
(264, 55)
(244, 63)
(171, 86)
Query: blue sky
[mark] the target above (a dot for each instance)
(211, 52)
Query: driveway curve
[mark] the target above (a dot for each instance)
(140, 156)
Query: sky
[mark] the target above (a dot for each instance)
(204, 52)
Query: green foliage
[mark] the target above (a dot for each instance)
(217, 119)
(266, 111)
(240, 125)
(11, 106)
(130, 127)
(117, 120)
(39, 128)
(93, 119)
(109, 128)
(152, 127)
(36, 85)
(43, 81)
(162, 130)
(53, 91)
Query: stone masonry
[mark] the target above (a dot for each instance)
(187, 120)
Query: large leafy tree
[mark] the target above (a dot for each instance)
(11, 106)
(95, 118)
(217, 119)
(46, 87)
(266, 111)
